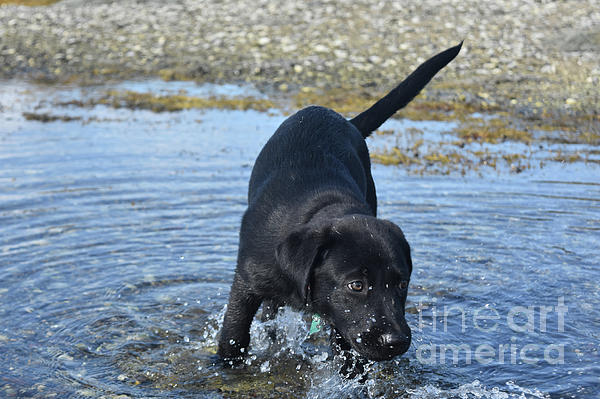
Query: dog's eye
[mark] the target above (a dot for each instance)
(404, 284)
(356, 286)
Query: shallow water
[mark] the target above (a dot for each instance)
(118, 239)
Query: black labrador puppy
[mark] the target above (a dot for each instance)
(310, 238)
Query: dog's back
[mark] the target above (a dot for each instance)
(313, 149)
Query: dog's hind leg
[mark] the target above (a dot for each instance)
(235, 334)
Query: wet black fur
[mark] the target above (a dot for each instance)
(311, 229)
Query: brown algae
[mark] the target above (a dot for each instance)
(170, 103)
(44, 117)
(491, 130)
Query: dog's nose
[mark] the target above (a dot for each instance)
(396, 340)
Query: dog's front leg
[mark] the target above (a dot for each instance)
(235, 334)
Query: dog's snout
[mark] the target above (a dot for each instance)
(393, 339)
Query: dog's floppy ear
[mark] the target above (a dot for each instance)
(299, 253)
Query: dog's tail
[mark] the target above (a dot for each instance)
(371, 119)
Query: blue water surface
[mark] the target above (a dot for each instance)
(118, 240)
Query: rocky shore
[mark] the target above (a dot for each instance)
(532, 58)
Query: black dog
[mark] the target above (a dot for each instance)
(310, 238)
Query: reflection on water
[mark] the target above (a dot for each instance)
(118, 240)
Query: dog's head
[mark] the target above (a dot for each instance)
(353, 271)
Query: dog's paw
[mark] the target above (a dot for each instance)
(353, 367)
(231, 352)
(229, 362)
